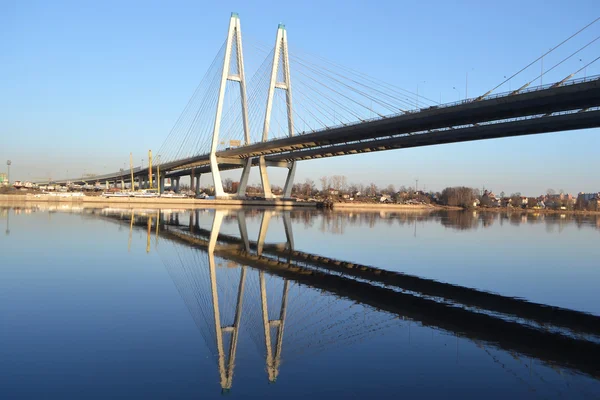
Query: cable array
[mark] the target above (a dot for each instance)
(324, 94)
(552, 51)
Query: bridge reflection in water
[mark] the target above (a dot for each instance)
(228, 281)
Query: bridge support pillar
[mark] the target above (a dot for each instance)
(162, 185)
(264, 178)
(193, 180)
(197, 184)
(289, 180)
(241, 193)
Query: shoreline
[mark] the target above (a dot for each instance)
(132, 202)
(533, 211)
(383, 207)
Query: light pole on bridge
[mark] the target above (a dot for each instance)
(467, 84)
(457, 91)
(418, 92)
(584, 70)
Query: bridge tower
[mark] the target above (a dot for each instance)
(234, 42)
(280, 60)
(273, 356)
(273, 350)
(226, 359)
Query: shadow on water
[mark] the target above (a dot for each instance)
(216, 273)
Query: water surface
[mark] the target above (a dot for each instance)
(154, 304)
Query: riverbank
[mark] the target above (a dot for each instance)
(382, 207)
(532, 211)
(133, 202)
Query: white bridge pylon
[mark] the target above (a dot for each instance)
(280, 60)
(234, 34)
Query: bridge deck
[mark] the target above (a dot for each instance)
(470, 120)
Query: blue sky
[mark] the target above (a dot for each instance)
(84, 83)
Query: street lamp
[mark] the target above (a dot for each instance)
(584, 70)
(467, 84)
(8, 164)
(457, 91)
(509, 84)
(418, 93)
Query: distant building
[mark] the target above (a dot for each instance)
(588, 196)
(3, 180)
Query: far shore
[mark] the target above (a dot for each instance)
(535, 211)
(132, 202)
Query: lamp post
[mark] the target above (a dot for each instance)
(584, 70)
(8, 164)
(418, 92)
(509, 84)
(467, 84)
(457, 91)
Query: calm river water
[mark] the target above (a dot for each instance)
(108, 303)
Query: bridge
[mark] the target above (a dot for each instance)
(212, 136)
(218, 274)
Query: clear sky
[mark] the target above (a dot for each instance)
(84, 83)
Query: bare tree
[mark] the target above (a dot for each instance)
(324, 183)
(228, 185)
(308, 187)
(515, 199)
(458, 196)
(336, 182)
(372, 189)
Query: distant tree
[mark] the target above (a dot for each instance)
(343, 184)
(308, 187)
(297, 189)
(550, 192)
(458, 196)
(336, 182)
(580, 204)
(276, 189)
(391, 190)
(372, 189)
(362, 189)
(515, 199)
(324, 183)
(485, 200)
(502, 195)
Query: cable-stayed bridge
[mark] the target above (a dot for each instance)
(302, 107)
(229, 282)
